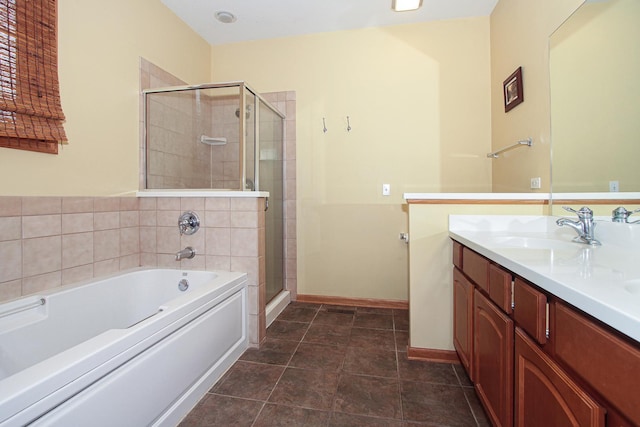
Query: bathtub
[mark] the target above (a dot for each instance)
(132, 349)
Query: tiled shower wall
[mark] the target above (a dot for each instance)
(152, 76)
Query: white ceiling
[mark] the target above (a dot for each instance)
(265, 19)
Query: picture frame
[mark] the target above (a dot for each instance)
(512, 90)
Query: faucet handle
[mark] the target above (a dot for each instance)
(583, 213)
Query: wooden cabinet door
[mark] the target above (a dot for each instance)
(545, 395)
(493, 360)
(463, 319)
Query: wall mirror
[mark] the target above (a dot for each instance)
(595, 99)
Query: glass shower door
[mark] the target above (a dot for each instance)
(271, 179)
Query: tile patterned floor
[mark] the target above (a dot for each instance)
(335, 366)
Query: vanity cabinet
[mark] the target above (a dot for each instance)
(547, 396)
(463, 319)
(493, 360)
(534, 359)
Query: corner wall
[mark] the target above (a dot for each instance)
(100, 45)
(417, 97)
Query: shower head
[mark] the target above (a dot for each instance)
(247, 112)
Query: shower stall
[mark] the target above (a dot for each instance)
(219, 136)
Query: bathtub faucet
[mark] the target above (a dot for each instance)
(187, 253)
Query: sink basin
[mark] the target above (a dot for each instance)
(533, 243)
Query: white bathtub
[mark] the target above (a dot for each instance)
(127, 350)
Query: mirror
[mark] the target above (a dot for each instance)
(595, 99)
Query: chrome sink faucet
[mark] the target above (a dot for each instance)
(620, 214)
(584, 226)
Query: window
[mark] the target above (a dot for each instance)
(30, 112)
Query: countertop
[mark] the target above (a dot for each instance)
(603, 281)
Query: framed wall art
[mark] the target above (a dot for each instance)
(512, 90)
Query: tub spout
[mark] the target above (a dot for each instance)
(187, 253)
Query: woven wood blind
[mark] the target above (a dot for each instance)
(31, 116)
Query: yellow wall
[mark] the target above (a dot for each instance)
(418, 101)
(520, 31)
(431, 291)
(596, 126)
(100, 44)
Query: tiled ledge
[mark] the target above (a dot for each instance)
(202, 193)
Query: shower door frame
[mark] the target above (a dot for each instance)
(243, 87)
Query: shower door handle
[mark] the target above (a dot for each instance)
(266, 204)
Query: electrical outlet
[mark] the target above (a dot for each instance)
(536, 183)
(386, 189)
(614, 186)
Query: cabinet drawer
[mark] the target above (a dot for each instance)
(605, 361)
(457, 254)
(476, 267)
(547, 396)
(530, 310)
(500, 287)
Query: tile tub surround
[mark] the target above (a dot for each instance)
(327, 365)
(46, 242)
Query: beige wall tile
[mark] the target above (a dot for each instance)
(77, 204)
(106, 204)
(244, 242)
(106, 220)
(148, 204)
(77, 274)
(106, 245)
(244, 219)
(196, 241)
(41, 255)
(169, 219)
(42, 282)
(196, 263)
(244, 204)
(11, 256)
(218, 241)
(77, 249)
(168, 240)
(41, 205)
(129, 241)
(10, 206)
(129, 261)
(148, 240)
(149, 218)
(192, 204)
(10, 228)
(217, 204)
(129, 218)
(41, 225)
(218, 262)
(77, 223)
(249, 265)
(148, 259)
(129, 203)
(103, 268)
(167, 261)
(219, 219)
(10, 290)
(168, 203)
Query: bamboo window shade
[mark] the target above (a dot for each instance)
(31, 115)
